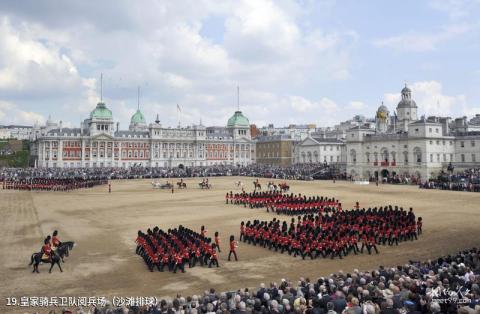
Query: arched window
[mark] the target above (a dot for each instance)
(417, 154)
(353, 156)
(384, 154)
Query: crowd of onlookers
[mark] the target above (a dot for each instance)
(398, 179)
(449, 284)
(467, 180)
(296, 172)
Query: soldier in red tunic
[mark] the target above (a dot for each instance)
(233, 248)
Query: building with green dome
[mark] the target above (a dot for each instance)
(138, 122)
(101, 112)
(99, 142)
(238, 120)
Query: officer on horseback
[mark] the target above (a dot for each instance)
(46, 249)
(55, 240)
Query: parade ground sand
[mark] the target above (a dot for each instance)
(104, 227)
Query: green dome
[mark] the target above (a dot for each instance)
(101, 112)
(138, 118)
(238, 120)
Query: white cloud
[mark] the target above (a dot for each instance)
(11, 114)
(357, 105)
(456, 9)
(422, 42)
(53, 54)
(430, 99)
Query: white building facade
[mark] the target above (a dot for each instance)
(403, 144)
(99, 143)
(320, 150)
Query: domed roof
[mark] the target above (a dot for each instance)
(138, 118)
(406, 89)
(238, 120)
(407, 103)
(101, 112)
(382, 108)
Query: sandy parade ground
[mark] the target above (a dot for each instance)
(104, 227)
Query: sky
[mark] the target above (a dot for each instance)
(295, 62)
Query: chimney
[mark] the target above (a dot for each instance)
(118, 126)
(81, 127)
(61, 126)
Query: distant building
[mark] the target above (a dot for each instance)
(321, 150)
(294, 131)
(254, 131)
(19, 132)
(404, 144)
(99, 142)
(275, 150)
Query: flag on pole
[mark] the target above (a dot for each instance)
(178, 108)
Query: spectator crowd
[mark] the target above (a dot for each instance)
(448, 284)
(467, 180)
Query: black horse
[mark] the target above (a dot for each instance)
(54, 259)
(68, 245)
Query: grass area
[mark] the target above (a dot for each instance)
(18, 159)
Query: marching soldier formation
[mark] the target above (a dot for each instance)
(334, 233)
(286, 204)
(176, 248)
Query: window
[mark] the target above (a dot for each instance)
(472, 143)
(429, 130)
(417, 153)
(473, 158)
(462, 144)
(431, 157)
(462, 157)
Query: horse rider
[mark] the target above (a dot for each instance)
(46, 249)
(55, 240)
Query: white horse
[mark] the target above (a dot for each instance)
(156, 185)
